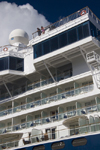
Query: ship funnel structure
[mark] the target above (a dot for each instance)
(17, 37)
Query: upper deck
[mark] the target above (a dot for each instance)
(62, 40)
(83, 14)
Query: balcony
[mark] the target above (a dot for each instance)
(67, 19)
(51, 119)
(35, 85)
(48, 100)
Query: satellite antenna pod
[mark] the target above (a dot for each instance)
(17, 37)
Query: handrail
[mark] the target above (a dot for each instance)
(12, 109)
(52, 136)
(75, 13)
(75, 111)
(40, 84)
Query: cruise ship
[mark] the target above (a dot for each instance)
(50, 86)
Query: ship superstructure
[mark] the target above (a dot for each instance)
(50, 88)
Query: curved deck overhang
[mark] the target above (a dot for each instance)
(71, 120)
(10, 137)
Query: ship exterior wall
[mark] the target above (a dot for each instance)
(79, 66)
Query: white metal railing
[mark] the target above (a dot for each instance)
(48, 100)
(58, 134)
(93, 55)
(21, 90)
(67, 19)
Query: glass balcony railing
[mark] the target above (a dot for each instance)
(49, 119)
(21, 90)
(58, 134)
(85, 129)
(48, 100)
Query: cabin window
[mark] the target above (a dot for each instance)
(58, 145)
(40, 147)
(79, 142)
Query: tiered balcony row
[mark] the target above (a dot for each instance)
(38, 84)
(94, 107)
(47, 100)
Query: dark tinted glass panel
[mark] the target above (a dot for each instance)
(46, 47)
(79, 142)
(58, 145)
(54, 43)
(41, 147)
(72, 36)
(80, 32)
(93, 30)
(3, 63)
(85, 30)
(63, 40)
(16, 63)
(19, 64)
(38, 50)
(12, 63)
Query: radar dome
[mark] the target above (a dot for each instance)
(18, 36)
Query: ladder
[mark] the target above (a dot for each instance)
(93, 61)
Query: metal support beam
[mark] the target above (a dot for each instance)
(7, 88)
(49, 72)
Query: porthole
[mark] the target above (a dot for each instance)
(58, 145)
(40, 147)
(79, 142)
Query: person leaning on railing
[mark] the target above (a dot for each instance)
(39, 31)
(42, 30)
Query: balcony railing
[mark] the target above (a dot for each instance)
(21, 90)
(48, 100)
(58, 134)
(68, 19)
(51, 119)
(85, 129)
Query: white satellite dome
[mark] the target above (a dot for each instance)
(18, 36)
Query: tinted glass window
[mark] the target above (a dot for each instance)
(54, 43)
(19, 64)
(40, 147)
(16, 63)
(79, 142)
(85, 30)
(46, 47)
(58, 145)
(38, 50)
(72, 36)
(12, 63)
(3, 63)
(93, 30)
(63, 40)
(80, 32)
